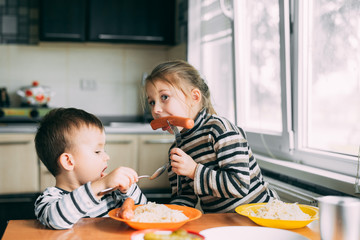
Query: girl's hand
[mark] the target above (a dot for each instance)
(182, 164)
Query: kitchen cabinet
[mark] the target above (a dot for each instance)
(144, 153)
(46, 178)
(19, 172)
(62, 20)
(135, 21)
(153, 153)
(122, 150)
(146, 21)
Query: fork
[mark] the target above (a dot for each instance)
(178, 143)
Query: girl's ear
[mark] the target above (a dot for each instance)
(196, 95)
(67, 161)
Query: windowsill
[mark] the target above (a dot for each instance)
(331, 180)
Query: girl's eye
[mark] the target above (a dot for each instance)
(151, 103)
(97, 152)
(164, 97)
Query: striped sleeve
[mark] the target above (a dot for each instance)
(187, 198)
(230, 176)
(136, 194)
(58, 210)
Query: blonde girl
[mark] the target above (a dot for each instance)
(214, 158)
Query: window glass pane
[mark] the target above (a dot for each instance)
(262, 63)
(334, 76)
(216, 57)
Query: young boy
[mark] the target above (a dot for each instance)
(70, 142)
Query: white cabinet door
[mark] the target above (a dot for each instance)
(122, 150)
(46, 178)
(19, 169)
(153, 153)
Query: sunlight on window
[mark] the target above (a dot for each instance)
(263, 64)
(334, 84)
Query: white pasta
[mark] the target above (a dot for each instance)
(153, 212)
(277, 209)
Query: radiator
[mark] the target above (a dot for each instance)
(291, 194)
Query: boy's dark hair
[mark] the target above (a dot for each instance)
(52, 137)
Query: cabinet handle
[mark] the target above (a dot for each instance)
(15, 142)
(161, 141)
(63, 35)
(129, 37)
(16, 200)
(119, 142)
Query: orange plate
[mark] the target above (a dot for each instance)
(191, 213)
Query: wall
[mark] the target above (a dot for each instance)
(104, 79)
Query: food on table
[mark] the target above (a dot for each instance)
(179, 234)
(277, 209)
(153, 212)
(126, 211)
(173, 120)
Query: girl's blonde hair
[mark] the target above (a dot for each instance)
(183, 75)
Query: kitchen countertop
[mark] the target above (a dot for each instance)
(111, 128)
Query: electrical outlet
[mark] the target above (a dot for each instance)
(88, 84)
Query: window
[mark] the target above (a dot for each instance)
(330, 53)
(296, 79)
(260, 83)
(304, 108)
(263, 75)
(210, 50)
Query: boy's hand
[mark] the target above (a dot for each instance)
(121, 178)
(182, 164)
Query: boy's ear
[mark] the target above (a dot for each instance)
(66, 161)
(196, 95)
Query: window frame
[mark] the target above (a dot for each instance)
(288, 147)
(273, 144)
(335, 162)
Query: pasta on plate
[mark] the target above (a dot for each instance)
(153, 212)
(277, 209)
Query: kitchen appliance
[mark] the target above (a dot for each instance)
(35, 95)
(4, 98)
(22, 115)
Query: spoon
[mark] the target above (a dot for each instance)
(159, 171)
(107, 190)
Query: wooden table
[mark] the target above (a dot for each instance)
(107, 228)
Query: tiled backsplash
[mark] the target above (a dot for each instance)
(104, 79)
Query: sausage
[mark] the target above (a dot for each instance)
(173, 120)
(127, 209)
